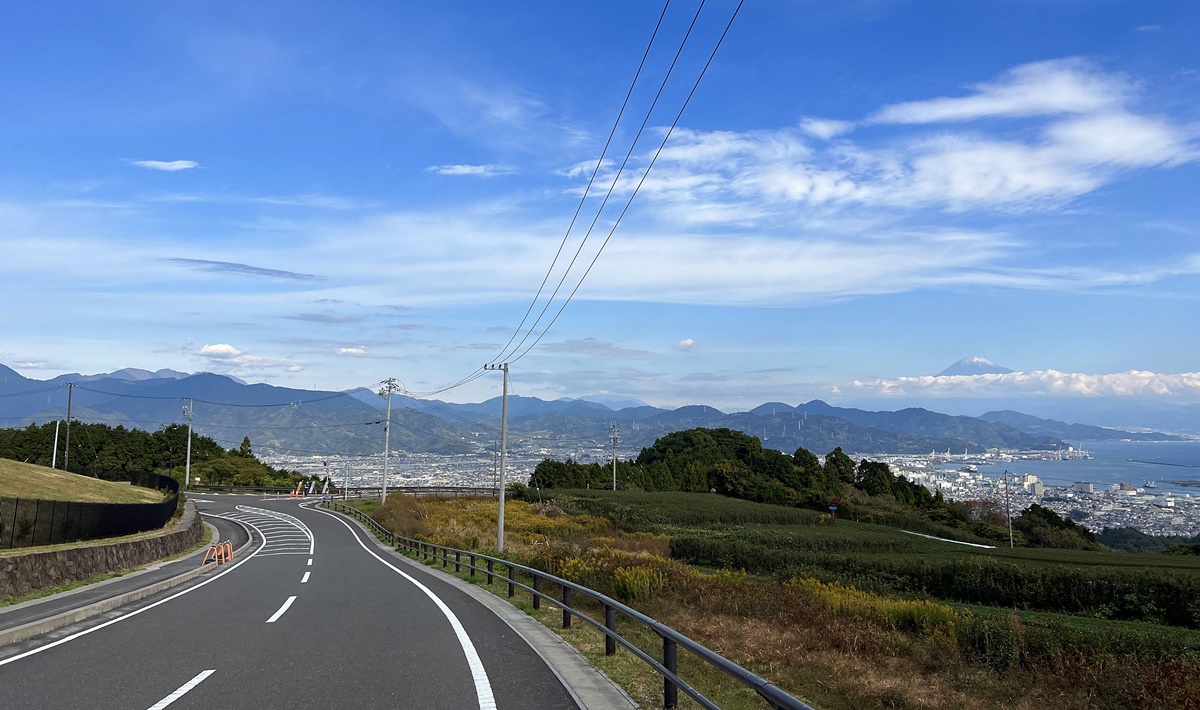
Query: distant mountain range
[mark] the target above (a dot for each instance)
(284, 420)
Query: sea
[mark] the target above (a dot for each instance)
(1134, 462)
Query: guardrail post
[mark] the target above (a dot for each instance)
(511, 575)
(472, 565)
(566, 605)
(489, 572)
(537, 591)
(457, 560)
(424, 551)
(610, 623)
(671, 662)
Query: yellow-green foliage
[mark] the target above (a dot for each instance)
(631, 583)
(907, 615)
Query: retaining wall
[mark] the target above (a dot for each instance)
(22, 574)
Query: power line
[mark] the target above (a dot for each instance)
(616, 179)
(637, 188)
(591, 179)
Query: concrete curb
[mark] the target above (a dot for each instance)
(72, 616)
(589, 686)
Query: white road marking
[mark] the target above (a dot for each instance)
(305, 578)
(183, 689)
(310, 562)
(276, 615)
(135, 612)
(483, 687)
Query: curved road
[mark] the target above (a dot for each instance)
(314, 615)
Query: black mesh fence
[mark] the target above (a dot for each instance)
(25, 522)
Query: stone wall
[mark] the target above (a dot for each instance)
(22, 574)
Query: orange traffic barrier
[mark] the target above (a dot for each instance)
(219, 552)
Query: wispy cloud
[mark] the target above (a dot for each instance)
(169, 166)
(593, 347)
(1078, 132)
(1149, 28)
(686, 345)
(470, 170)
(1062, 86)
(353, 351)
(231, 267)
(225, 358)
(327, 318)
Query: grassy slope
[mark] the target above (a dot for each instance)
(22, 480)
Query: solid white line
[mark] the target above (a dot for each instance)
(483, 687)
(282, 609)
(135, 612)
(183, 689)
(305, 578)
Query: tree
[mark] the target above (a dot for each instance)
(244, 450)
(839, 466)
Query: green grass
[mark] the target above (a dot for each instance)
(22, 480)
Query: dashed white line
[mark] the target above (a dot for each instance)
(276, 615)
(305, 578)
(310, 562)
(182, 690)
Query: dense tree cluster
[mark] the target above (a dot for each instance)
(735, 464)
(113, 453)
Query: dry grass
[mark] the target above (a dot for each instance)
(835, 647)
(23, 480)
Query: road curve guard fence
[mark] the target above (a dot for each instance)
(26, 522)
(672, 640)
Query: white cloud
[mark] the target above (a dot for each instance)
(356, 350)
(472, 170)
(225, 358)
(825, 128)
(1149, 28)
(686, 345)
(169, 166)
(220, 351)
(1079, 135)
(1134, 383)
(1054, 87)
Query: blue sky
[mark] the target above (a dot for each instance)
(321, 195)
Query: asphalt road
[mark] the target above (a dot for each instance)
(314, 616)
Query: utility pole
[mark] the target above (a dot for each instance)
(615, 439)
(1008, 508)
(389, 386)
(67, 449)
(54, 454)
(503, 367)
(495, 463)
(187, 466)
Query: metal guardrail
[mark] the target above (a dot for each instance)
(672, 640)
(360, 492)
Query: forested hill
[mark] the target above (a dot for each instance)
(733, 464)
(113, 453)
